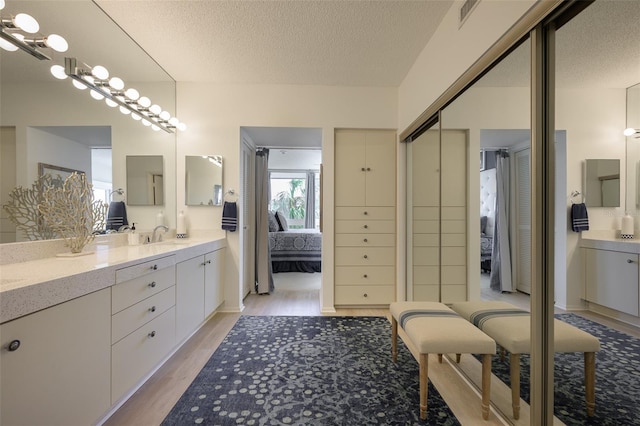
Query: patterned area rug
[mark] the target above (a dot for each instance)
(617, 378)
(308, 371)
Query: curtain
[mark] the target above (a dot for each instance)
(264, 277)
(500, 278)
(310, 209)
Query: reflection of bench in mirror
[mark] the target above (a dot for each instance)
(509, 326)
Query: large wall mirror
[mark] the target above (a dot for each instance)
(633, 149)
(602, 183)
(45, 120)
(203, 180)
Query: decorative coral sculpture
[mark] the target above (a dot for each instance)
(71, 211)
(22, 209)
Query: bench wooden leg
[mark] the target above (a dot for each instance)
(486, 385)
(394, 339)
(424, 380)
(590, 382)
(440, 358)
(514, 360)
(458, 358)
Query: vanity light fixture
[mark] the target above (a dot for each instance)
(111, 89)
(21, 32)
(630, 131)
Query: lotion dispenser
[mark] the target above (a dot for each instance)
(134, 238)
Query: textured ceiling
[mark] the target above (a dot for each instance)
(354, 43)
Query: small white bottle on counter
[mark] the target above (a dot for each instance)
(181, 228)
(134, 237)
(626, 230)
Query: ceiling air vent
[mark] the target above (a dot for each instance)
(466, 9)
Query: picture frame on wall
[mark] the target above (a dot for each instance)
(483, 156)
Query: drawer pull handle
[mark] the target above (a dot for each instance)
(366, 257)
(365, 295)
(365, 276)
(366, 213)
(368, 169)
(154, 267)
(152, 284)
(152, 309)
(366, 227)
(14, 345)
(365, 240)
(205, 263)
(152, 334)
(630, 261)
(362, 169)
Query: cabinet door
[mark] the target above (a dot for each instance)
(189, 296)
(213, 283)
(60, 374)
(612, 279)
(350, 168)
(380, 159)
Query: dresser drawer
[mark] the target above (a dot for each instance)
(365, 240)
(365, 226)
(362, 213)
(364, 295)
(133, 317)
(133, 357)
(130, 292)
(365, 275)
(141, 269)
(365, 256)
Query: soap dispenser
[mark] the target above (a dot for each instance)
(181, 231)
(134, 238)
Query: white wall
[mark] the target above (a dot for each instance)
(295, 159)
(215, 114)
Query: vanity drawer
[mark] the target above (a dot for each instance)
(365, 275)
(365, 295)
(371, 213)
(133, 317)
(130, 292)
(365, 256)
(133, 357)
(142, 269)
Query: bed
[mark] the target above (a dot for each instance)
(296, 250)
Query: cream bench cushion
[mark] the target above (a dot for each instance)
(433, 328)
(511, 329)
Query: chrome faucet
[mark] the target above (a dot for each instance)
(158, 237)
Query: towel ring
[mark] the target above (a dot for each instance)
(231, 196)
(573, 195)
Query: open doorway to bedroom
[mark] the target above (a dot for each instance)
(289, 176)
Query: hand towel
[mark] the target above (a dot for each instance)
(229, 216)
(117, 215)
(579, 217)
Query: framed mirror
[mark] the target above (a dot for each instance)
(203, 180)
(602, 183)
(145, 180)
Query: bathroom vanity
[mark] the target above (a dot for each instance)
(78, 336)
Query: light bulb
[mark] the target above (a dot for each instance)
(26, 23)
(155, 128)
(1, 4)
(116, 83)
(132, 94)
(146, 122)
(111, 102)
(124, 110)
(629, 131)
(79, 85)
(9, 47)
(174, 121)
(164, 115)
(136, 117)
(97, 96)
(144, 102)
(155, 109)
(58, 72)
(56, 42)
(182, 127)
(100, 72)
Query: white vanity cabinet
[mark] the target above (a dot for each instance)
(611, 279)
(142, 322)
(199, 291)
(54, 364)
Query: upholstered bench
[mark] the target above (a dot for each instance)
(433, 328)
(510, 326)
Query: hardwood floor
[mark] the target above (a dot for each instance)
(298, 294)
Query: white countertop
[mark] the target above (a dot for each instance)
(609, 240)
(30, 286)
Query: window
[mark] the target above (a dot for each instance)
(289, 195)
